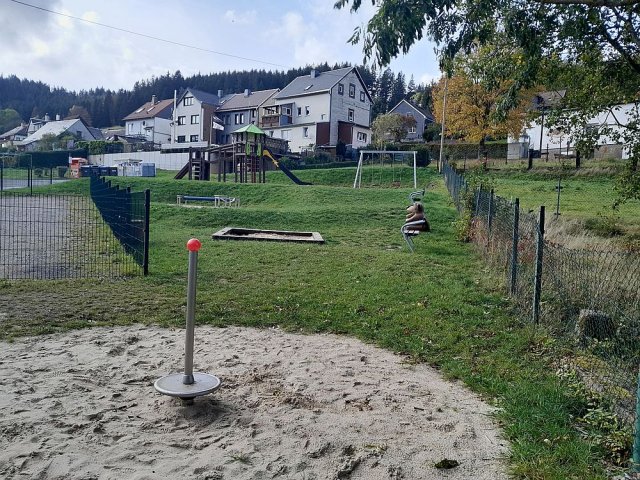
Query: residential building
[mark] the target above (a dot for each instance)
(151, 122)
(240, 110)
(422, 117)
(320, 110)
(551, 143)
(75, 127)
(13, 136)
(194, 120)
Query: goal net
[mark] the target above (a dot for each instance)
(386, 168)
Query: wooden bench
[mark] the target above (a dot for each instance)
(217, 200)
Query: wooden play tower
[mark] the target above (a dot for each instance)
(242, 159)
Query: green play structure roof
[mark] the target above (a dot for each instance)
(251, 128)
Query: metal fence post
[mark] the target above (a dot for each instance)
(537, 286)
(490, 216)
(147, 210)
(514, 247)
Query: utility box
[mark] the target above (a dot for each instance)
(148, 169)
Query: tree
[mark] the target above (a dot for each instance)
(479, 82)
(9, 119)
(570, 32)
(391, 126)
(77, 111)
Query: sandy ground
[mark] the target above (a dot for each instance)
(82, 406)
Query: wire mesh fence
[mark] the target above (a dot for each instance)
(18, 171)
(127, 214)
(588, 298)
(46, 236)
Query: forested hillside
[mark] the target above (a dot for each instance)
(107, 107)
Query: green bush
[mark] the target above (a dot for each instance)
(604, 225)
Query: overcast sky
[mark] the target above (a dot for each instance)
(268, 34)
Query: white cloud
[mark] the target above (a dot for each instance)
(294, 25)
(90, 16)
(428, 77)
(245, 18)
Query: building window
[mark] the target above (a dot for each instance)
(131, 127)
(350, 115)
(306, 110)
(181, 139)
(299, 111)
(287, 110)
(362, 137)
(340, 89)
(286, 134)
(362, 96)
(195, 119)
(305, 132)
(193, 138)
(322, 115)
(412, 129)
(352, 90)
(253, 113)
(239, 118)
(182, 120)
(187, 101)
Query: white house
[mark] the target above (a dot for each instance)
(75, 127)
(151, 122)
(539, 136)
(240, 110)
(320, 110)
(194, 120)
(13, 136)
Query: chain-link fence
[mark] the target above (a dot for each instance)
(588, 298)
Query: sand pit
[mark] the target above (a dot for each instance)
(82, 406)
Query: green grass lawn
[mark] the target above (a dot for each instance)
(440, 305)
(587, 195)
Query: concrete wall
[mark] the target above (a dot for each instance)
(163, 161)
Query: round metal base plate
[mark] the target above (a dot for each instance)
(172, 385)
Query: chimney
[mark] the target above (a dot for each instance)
(220, 92)
(154, 99)
(57, 117)
(246, 92)
(313, 74)
(46, 117)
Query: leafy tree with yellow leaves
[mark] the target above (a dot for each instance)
(479, 82)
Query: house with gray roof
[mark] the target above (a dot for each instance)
(320, 110)
(194, 121)
(422, 117)
(74, 127)
(13, 136)
(151, 122)
(240, 110)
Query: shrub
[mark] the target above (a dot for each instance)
(604, 225)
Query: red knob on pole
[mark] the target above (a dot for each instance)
(194, 245)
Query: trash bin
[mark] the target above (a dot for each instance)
(148, 169)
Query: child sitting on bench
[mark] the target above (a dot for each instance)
(415, 213)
